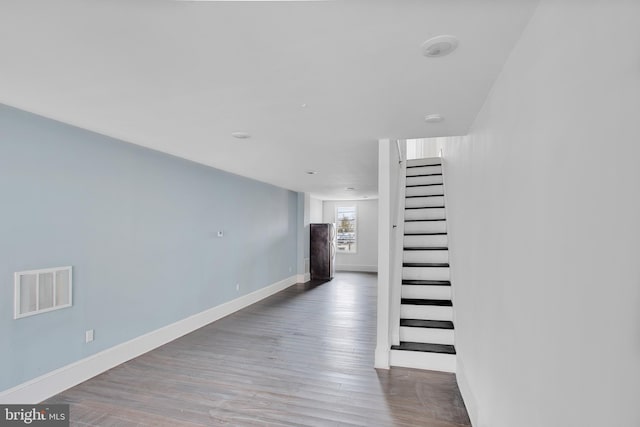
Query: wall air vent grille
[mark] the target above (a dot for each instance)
(39, 291)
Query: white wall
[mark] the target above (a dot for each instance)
(315, 206)
(544, 216)
(304, 219)
(389, 170)
(366, 257)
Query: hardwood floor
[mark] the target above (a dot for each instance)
(303, 357)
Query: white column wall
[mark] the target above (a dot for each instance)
(543, 199)
(388, 180)
(315, 208)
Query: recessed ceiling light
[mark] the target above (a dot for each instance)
(433, 118)
(311, 172)
(303, 105)
(350, 188)
(241, 135)
(439, 46)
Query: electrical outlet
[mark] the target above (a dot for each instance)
(88, 336)
(237, 286)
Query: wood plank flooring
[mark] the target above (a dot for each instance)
(303, 357)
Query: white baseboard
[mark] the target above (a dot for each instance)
(465, 391)
(54, 382)
(365, 268)
(303, 278)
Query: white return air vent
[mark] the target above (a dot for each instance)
(39, 291)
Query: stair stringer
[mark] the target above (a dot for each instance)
(395, 286)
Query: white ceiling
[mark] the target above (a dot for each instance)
(180, 77)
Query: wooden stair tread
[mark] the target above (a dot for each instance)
(432, 324)
(426, 248)
(427, 282)
(425, 264)
(435, 302)
(425, 347)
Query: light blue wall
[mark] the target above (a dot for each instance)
(139, 228)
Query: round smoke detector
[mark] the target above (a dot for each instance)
(439, 46)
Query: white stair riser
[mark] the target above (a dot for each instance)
(426, 312)
(425, 227)
(424, 180)
(427, 161)
(424, 202)
(424, 170)
(423, 360)
(437, 241)
(427, 335)
(424, 191)
(426, 256)
(426, 292)
(425, 273)
(422, 214)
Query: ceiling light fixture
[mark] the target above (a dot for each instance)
(439, 46)
(241, 135)
(311, 172)
(350, 188)
(433, 118)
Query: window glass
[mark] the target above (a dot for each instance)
(347, 231)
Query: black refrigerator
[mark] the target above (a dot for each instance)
(323, 251)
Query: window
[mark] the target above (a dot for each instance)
(347, 231)
(39, 291)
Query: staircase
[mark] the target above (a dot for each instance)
(426, 310)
